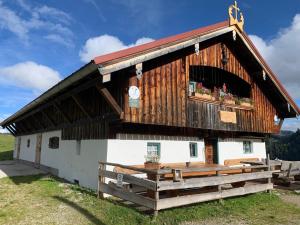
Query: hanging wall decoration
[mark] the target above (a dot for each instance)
(134, 97)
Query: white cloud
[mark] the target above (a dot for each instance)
(29, 75)
(46, 19)
(45, 11)
(291, 124)
(59, 39)
(282, 54)
(105, 44)
(11, 21)
(3, 117)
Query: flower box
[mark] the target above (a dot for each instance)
(229, 102)
(246, 104)
(203, 96)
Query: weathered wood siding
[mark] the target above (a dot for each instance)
(164, 94)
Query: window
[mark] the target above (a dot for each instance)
(28, 143)
(78, 147)
(193, 150)
(153, 149)
(247, 147)
(54, 142)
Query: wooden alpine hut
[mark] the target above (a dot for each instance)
(205, 96)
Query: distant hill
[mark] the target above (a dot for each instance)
(285, 146)
(7, 142)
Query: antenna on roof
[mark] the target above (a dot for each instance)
(235, 16)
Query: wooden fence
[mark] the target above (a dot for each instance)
(167, 188)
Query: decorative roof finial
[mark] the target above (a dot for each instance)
(233, 16)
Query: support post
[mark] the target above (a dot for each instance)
(100, 180)
(289, 170)
(269, 169)
(156, 196)
(220, 188)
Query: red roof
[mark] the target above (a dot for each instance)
(155, 44)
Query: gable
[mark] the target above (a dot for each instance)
(166, 63)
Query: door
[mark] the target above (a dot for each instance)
(18, 147)
(38, 150)
(211, 152)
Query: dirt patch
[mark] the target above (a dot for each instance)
(218, 221)
(291, 198)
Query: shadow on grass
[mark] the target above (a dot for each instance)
(7, 155)
(81, 210)
(27, 179)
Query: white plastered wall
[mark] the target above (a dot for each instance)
(133, 152)
(70, 165)
(27, 153)
(233, 149)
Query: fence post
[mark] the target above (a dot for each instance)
(289, 170)
(100, 180)
(156, 196)
(269, 169)
(220, 187)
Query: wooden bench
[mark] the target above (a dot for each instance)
(236, 162)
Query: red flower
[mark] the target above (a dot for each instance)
(224, 88)
(199, 86)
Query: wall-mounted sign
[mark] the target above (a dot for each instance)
(228, 117)
(134, 97)
(119, 180)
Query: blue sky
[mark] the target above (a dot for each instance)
(43, 41)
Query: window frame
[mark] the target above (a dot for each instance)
(246, 151)
(52, 145)
(158, 144)
(196, 149)
(28, 143)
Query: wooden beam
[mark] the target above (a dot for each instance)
(99, 119)
(76, 89)
(109, 98)
(113, 190)
(212, 181)
(191, 199)
(66, 117)
(10, 130)
(133, 168)
(81, 107)
(211, 169)
(48, 118)
(37, 121)
(148, 184)
(32, 124)
(23, 129)
(15, 128)
(27, 127)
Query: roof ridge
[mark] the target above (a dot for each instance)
(157, 43)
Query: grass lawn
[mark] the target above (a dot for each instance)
(7, 143)
(47, 200)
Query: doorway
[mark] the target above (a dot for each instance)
(211, 150)
(38, 150)
(18, 147)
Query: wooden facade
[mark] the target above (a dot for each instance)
(165, 101)
(91, 109)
